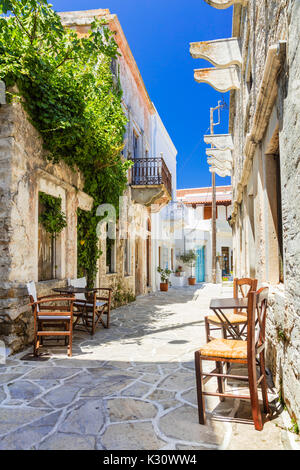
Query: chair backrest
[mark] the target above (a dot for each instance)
(80, 282)
(31, 289)
(242, 287)
(256, 321)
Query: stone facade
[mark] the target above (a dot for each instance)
(265, 126)
(25, 172)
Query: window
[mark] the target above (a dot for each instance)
(148, 253)
(208, 212)
(249, 83)
(46, 247)
(159, 256)
(274, 219)
(248, 73)
(114, 67)
(110, 255)
(135, 145)
(172, 259)
(225, 261)
(279, 220)
(127, 263)
(49, 259)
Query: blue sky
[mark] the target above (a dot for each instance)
(159, 33)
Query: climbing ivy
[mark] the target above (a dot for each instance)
(51, 217)
(65, 84)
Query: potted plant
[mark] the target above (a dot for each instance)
(179, 271)
(164, 278)
(190, 258)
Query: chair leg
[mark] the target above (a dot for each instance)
(221, 389)
(93, 323)
(35, 338)
(256, 412)
(37, 346)
(207, 329)
(108, 316)
(264, 386)
(199, 383)
(70, 339)
(41, 339)
(224, 335)
(66, 337)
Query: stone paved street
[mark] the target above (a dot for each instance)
(129, 387)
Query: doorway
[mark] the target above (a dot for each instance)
(148, 253)
(225, 261)
(138, 267)
(200, 265)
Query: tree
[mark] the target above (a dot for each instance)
(189, 258)
(66, 86)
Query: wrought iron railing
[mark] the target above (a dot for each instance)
(151, 171)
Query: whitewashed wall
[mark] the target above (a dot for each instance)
(162, 144)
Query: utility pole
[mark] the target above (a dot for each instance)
(213, 223)
(214, 205)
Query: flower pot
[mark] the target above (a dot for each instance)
(192, 281)
(164, 286)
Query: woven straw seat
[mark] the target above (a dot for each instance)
(232, 317)
(229, 348)
(225, 352)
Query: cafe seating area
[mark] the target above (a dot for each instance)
(242, 342)
(73, 306)
(235, 334)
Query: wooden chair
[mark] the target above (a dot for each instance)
(91, 310)
(241, 288)
(96, 307)
(47, 313)
(250, 353)
(80, 299)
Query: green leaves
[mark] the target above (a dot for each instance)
(51, 217)
(189, 258)
(164, 274)
(71, 98)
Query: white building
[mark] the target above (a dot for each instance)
(163, 241)
(193, 230)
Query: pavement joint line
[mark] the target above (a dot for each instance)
(167, 366)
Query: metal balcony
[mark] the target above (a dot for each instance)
(151, 181)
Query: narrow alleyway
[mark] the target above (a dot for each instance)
(129, 387)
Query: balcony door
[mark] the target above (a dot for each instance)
(138, 266)
(148, 253)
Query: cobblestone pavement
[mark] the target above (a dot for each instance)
(129, 387)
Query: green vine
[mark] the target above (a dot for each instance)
(122, 295)
(52, 218)
(66, 85)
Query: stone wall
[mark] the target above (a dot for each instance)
(288, 348)
(24, 172)
(255, 229)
